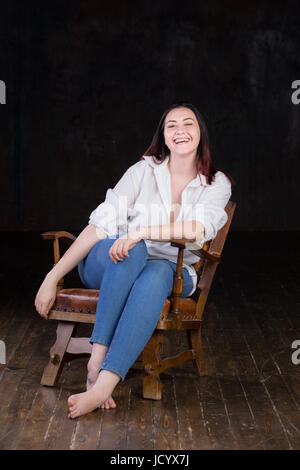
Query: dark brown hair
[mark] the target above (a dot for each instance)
(159, 150)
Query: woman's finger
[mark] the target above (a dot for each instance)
(116, 257)
(42, 309)
(125, 249)
(119, 250)
(115, 251)
(44, 313)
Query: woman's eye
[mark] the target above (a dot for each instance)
(187, 124)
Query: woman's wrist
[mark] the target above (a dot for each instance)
(138, 234)
(51, 276)
(143, 232)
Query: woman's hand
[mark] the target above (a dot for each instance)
(46, 296)
(119, 250)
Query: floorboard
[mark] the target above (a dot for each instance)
(250, 398)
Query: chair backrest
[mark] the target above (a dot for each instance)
(216, 245)
(206, 268)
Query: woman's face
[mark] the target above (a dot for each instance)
(182, 131)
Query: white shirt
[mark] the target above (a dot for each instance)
(142, 197)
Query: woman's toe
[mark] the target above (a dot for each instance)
(74, 412)
(112, 403)
(71, 401)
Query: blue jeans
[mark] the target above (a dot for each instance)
(132, 295)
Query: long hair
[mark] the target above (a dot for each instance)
(204, 164)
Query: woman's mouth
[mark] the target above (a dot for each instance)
(181, 141)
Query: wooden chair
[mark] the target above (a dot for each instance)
(78, 305)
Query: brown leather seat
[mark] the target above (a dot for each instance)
(77, 300)
(85, 301)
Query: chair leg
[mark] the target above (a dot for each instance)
(54, 368)
(195, 343)
(152, 386)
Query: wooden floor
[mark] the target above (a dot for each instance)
(250, 398)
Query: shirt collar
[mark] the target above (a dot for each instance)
(200, 179)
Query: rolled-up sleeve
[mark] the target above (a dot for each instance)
(209, 210)
(112, 214)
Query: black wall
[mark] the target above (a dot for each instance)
(87, 82)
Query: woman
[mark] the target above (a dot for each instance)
(173, 192)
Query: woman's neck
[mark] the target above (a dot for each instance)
(182, 166)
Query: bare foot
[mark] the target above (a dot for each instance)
(84, 403)
(92, 376)
(109, 403)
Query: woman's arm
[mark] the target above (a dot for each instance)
(89, 236)
(46, 294)
(202, 222)
(191, 230)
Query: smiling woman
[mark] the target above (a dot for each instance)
(125, 250)
(184, 121)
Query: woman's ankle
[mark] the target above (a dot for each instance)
(98, 354)
(94, 365)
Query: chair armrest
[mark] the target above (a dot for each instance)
(57, 235)
(214, 257)
(201, 253)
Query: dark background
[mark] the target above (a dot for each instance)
(87, 82)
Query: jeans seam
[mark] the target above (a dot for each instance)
(113, 369)
(96, 339)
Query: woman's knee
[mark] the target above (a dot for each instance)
(160, 266)
(101, 248)
(140, 247)
(94, 263)
(158, 275)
